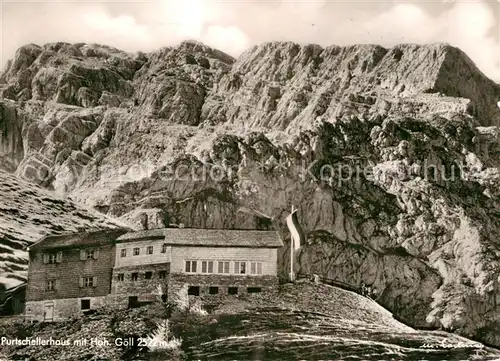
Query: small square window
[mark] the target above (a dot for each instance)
(85, 304)
(223, 267)
(232, 290)
(133, 302)
(149, 274)
(256, 268)
(50, 285)
(90, 254)
(194, 291)
(88, 282)
(240, 267)
(137, 251)
(191, 266)
(213, 290)
(123, 252)
(135, 276)
(254, 289)
(164, 248)
(121, 277)
(162, 274)
(207, 266)
(149, 250)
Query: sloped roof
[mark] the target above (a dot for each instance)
(209, 237)
(97, 237)
(146, 234)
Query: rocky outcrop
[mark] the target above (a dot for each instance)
(286, 86)
(74, 74)
(391, 155)
(11, 146)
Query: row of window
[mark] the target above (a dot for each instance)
(87, 254)
(85, 282)
(224, 267)
(214, 290)
(147, 275)
(56, 257)
(136, 251)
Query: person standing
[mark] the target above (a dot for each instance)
(368, 291)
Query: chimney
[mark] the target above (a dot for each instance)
(144, 221)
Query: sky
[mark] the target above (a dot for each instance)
(233, 26)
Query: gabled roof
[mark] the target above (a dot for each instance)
(208, 237)
(158, 233)
(89, 238)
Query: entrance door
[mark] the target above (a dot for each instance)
(133, 302)
(48, 313)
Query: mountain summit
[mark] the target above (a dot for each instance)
(391, 156)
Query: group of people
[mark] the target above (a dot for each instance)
(368, 291)
(365, 290)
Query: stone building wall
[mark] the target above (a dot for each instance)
(145, 289)
(117, 301)
(178, 281)
(64, 308)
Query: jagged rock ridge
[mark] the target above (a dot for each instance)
(283, 123)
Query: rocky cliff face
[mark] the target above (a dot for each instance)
(391, 155)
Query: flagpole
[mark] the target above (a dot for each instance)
(297, 237)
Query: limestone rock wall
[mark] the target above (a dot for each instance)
(391, 156)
